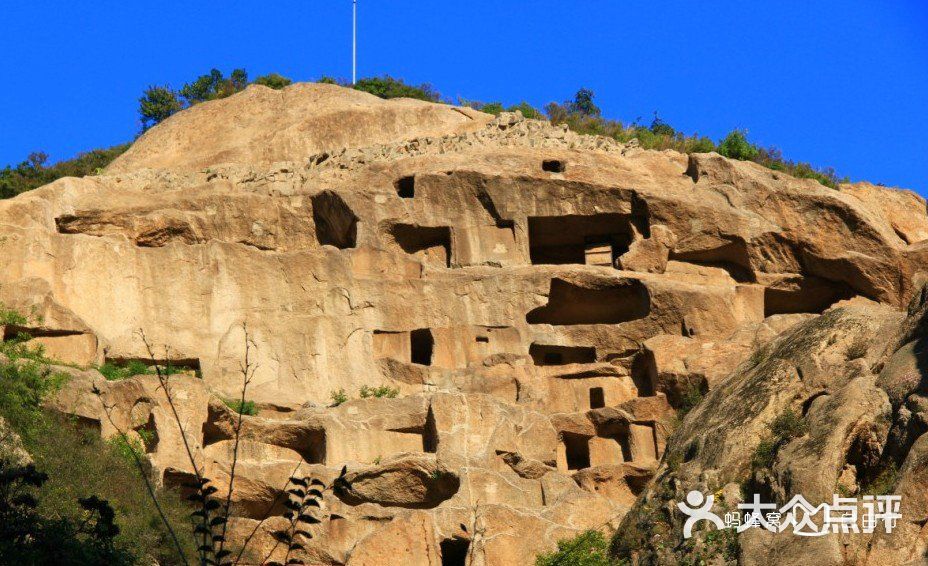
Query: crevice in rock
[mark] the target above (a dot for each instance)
(13, 331)
(644, 373)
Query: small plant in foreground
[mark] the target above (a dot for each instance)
(883, 483)
(113, 371)
(338, 397)
(589, 548)
(242, 407)
(788, 425)
(379, 392)
(785, 427)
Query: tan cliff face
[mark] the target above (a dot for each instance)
(543, 302)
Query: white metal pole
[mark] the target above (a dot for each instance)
(354, 41)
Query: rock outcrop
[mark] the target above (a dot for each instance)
(543, 304)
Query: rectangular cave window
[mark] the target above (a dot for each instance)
(406, 187)
(577, 450)
(483, 339)
(597, 398)
(553, 166)
(549, 355)
(569, 304)
(454, 551)
(421, 345)
(135, 366)
(431, 244)
(595, 239)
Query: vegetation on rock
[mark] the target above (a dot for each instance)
(378, 392)
(241, 407)
(580, 114)
(35, 171)
(81, 502)
(588, 548)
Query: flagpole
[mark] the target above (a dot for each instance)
(354, 41)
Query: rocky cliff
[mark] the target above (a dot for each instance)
(544, 303)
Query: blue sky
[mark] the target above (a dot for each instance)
(835, 83)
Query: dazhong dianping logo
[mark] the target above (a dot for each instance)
(842, 515)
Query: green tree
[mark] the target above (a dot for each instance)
(661, 127)
(213, 86)
(157, 104)
(583, 103)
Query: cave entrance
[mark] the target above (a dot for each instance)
(805, 294)
(576, 450)
(549, 355)
(454, 551)
(431, 244)
(597, 398)
(405, 187)
(421, 344)
(617, 302)
(336, 224)
(596, 239)
(553, 166)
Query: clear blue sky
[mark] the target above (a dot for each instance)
(835, 83)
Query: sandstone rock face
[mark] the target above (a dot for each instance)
(538, 305)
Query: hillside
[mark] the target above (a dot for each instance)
(508, 333)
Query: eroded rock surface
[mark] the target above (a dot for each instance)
(543, 304)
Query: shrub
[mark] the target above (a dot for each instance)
(28, 537)
(588, 548)
(241, 407)
(128, 449)
(10, 317)
(736, 146)
(113, 372)
(495, 108)
(388, 87)
(338, 397)
(764, 454)
(273, 80)
(34, 171)
(883, 483)
(691, 397)
(378, 392)
(787, 426)
(80, 465)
